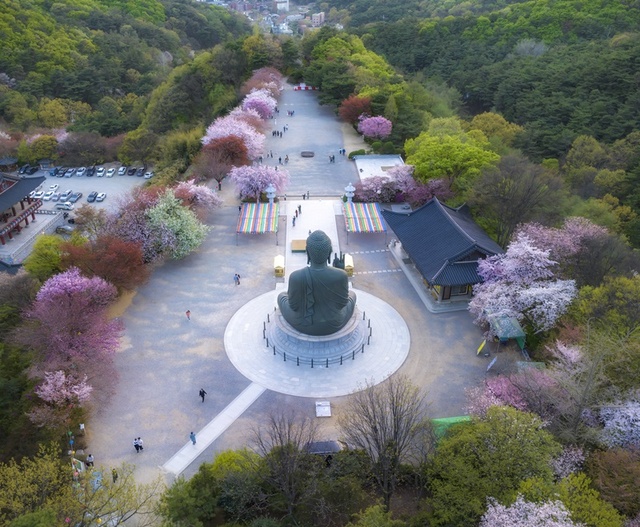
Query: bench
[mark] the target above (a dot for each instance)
(298, 246)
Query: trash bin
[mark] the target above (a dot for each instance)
(348, 264)
(278, 266)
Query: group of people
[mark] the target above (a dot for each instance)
(138, 444)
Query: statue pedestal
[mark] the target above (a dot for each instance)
(320, 351)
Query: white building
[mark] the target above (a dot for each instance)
(369, 166)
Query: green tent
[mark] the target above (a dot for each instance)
(505, 328)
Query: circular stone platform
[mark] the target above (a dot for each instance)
(248, 352)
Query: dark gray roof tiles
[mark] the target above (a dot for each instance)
(19, 190)
(437, 238)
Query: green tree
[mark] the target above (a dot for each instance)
(457, 158)
(138, 145)
(44, 147)
(375, 516)
(487, 457)
(45, 259)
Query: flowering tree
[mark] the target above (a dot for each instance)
(621, 422)
(181, 224)
(60, 393)
(198, 198)
(415, 192)
(232, 126)
(252, 181)
(376, 189)
(527, 514)
(249, 116)
(69, 323)
(520, 283)
(376, 127)
(264, 78)
(569, 461)
(261, 101)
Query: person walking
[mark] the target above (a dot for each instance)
(89, 461)
(300, 209)
(140, 444)
(296, 214)
(236, 278)
(114, 475)
(136, 445)
(192, 436)
(202, 393)
(294, 221)
(188, 313)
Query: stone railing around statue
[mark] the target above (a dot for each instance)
(317, 351)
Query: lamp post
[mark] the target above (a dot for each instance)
(349, 191)
(271, 192)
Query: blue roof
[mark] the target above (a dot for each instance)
(444, 243)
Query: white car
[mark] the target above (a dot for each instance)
(100, 171)
(111, 172)
(122, 171)
(38, 194)
(81, 171)
(148, 175)
(56, 196)
(67, 205)
(65, 195)
(47, 195)
(101, 196)
(54, 187)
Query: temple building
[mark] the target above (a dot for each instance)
(17, 209)
(445, 245)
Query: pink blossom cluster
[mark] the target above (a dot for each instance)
(621, 422)
(376, 127)
(232, 126)
(251, 181)
(261, 101)
(527, 514)
(267, 78)
(60, 389)
(197, 195)
(521, 283)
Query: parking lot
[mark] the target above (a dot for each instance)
(114, 186)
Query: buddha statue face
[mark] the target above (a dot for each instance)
(318, 247)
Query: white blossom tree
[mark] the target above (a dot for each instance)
(621, 422)
(526, 514)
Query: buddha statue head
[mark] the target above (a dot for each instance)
(318, 248)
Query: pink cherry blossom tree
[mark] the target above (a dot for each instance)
(261, 101)
(527, 514)
(265, 78)
(252, 181)
(415, 192)
(60, 394)
(520, 283)
(67, 324)
(199, 198)
(375, 127)
(232, 126)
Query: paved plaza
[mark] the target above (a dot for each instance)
(165, 358)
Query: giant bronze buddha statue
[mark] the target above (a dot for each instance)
(318, 300)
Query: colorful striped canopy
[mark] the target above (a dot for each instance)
(258, 218)
(363, 217)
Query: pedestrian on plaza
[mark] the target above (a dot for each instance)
(188, 313)
(114, 475)
(239, 209)
(280, 160)
(286, 159)
(140, 444)
(296, 213)
(307, 194)
(89, 461)
(192, 436)
(236, 278)
(300, 209)
(136, 445)
(304, 196)
(294, 221)
(202, 393)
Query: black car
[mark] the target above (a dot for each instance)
(90, 171)
(32, 170)
(24, 168)
(54, 171)
(92, 196)
(131, 171)
(140, 172)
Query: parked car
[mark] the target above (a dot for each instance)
(148, 175)
(56, 196)
(54, 171)
(81, 171)
(67, 205)
(100, 171)
(91, 171)
(24, 168)
(75, 197)
(47, 195)
(140, 172)
(111, 172)
(101, 197)
(55, 186)
(64, 229)
(122, 170)
(66, 194)
(32, 170)
(70, 172)
(131, 171)
(92, 196)
(38, 194)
